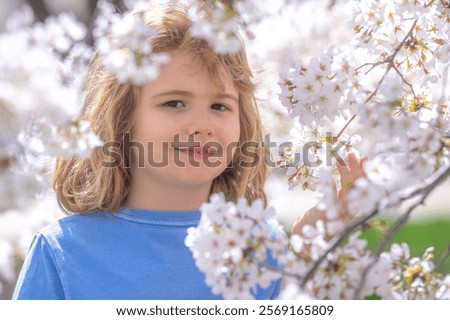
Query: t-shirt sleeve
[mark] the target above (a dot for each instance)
(39, 278)
(277, 289)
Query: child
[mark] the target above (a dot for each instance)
(135, 198)
(127, 239)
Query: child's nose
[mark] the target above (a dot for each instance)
(202, 124)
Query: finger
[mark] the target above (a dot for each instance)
(340, 162)
(344, 164)
(347, 169)
(356, 166)
(363, 159)
(344, 171)
(352, 171)
(352, 161)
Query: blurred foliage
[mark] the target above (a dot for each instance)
(420, 234)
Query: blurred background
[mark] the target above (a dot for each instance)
(294, 28)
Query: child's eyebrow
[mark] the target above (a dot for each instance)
(190, 94)
(227, 96)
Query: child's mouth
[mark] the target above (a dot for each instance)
(199, 152)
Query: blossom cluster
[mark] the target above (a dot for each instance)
(237, 249)
(218, 26)
(321, 90)
(338, 276)
(234, 246)
(415, 152)
(123, 43)
(30, 69)
(404, 124)
(413, 277)
(408, 114)
(41, 65)
(417, 31)
(319, 96)
(393, 97)
(220, 23)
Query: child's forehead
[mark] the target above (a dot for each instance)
(188, 73)
(196, 62)
(185, 66)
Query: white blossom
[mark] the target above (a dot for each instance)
(443, 292)
(220, 27)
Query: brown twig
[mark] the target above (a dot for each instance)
(336, 242)
(345, 127)
(40, 9)
(443, 258)
(405, 81)
(390, 65)
(389, 60)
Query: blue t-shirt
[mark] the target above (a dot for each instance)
(129, 254)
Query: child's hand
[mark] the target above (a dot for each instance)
(349, 172)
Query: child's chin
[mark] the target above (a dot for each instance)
(200, 175)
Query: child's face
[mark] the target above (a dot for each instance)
(188, 128)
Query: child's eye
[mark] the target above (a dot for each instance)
(219, 107)
(174, 104)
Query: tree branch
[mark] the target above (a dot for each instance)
(390, 60)
(438, 179)
(390, 64)
(336, 242)
(40, 10)
(92, 15)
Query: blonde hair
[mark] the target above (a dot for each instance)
(84, 184)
